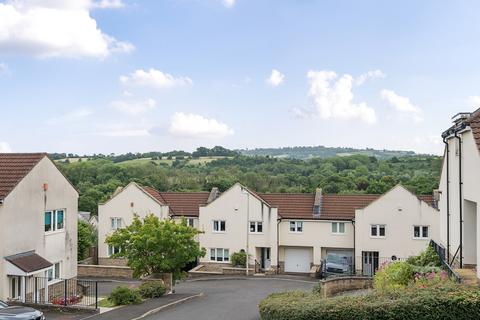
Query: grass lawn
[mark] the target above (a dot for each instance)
(106, 303)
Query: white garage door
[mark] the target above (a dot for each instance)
(297, 260)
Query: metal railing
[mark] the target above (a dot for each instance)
(440, 250)
(366, 265)
(61, 292)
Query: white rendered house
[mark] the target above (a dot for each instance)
(38, 223)
(460, 191)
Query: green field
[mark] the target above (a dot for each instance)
(164, 160)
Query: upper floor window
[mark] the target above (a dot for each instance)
(296, 226)
(377, 230)
(219, 225)
(115, 223)
(256, 226)
(191, 222)
(338, 227)
(420, 232)
(54, 220)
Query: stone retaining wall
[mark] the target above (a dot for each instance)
(112, 262)
(104, 271)
(332, 286)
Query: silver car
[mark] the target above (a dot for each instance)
(19, 313)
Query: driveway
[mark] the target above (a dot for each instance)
(227, 299)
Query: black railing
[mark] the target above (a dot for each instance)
(62, 292)
(440, 250)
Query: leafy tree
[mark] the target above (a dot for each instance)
(86, 238)
(154, 246)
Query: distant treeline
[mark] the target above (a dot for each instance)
(216, 151)
(322, 152)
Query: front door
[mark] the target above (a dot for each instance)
(15, 288)
(369, 262)
(266, 262)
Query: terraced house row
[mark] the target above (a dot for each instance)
(285, 232)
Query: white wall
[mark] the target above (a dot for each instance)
(131, 200)
(231, 206)
(317, 234)
(399, 240)
(22, 221)
(471, 192)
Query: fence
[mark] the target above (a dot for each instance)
(440, 250)
(62, 292)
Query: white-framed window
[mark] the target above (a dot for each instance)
(420, 232)
(191, 222)
(338, 227)
(115, 223)
(219, 255)
(113, 250)
(296, 226)
(54, 220)
(219, 226)
(256, 227)
(53, 273)
(377, 231)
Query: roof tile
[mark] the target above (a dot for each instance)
(14, 167)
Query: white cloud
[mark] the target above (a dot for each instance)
(402, 105)
(154, 78)
(333, 97)
(372, 74)
(5, 147)
(134, 107)
(472, 101)
(109, 4)
(190, 125)
(228, 3)
(276, 78)
(49, 28)
(72, 116)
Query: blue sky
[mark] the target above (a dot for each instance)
(87, 76)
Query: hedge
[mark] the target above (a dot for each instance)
(452, 302)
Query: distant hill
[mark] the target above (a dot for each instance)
(322, 152)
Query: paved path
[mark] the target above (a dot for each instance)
(227, 299)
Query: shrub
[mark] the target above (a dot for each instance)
(393, 276)
(124, 295)
(428, 258)
(444, 302)
(239, 259)
(152, 289)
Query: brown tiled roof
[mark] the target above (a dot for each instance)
(29, 261)
(185, 203)
(155, 194)
(14, 167)
(291, 205)
(427, 198)
(334, 207)
(343, 206)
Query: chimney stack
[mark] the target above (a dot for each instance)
(317, 204)
(214, 193)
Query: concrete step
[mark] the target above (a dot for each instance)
(259, 275)
(468, 276)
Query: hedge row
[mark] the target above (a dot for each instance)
(453, 302)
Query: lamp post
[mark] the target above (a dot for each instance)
(245, 191)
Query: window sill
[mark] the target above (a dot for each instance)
(338, 234)
(420, 238)
(48, 233)
(259, 233)
(219, 231)
(295, 232)
(378, 237)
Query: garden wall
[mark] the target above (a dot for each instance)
(333, 286)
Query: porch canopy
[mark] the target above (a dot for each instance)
(26, 264)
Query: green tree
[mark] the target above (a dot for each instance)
(154, 246)
(86, 238)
